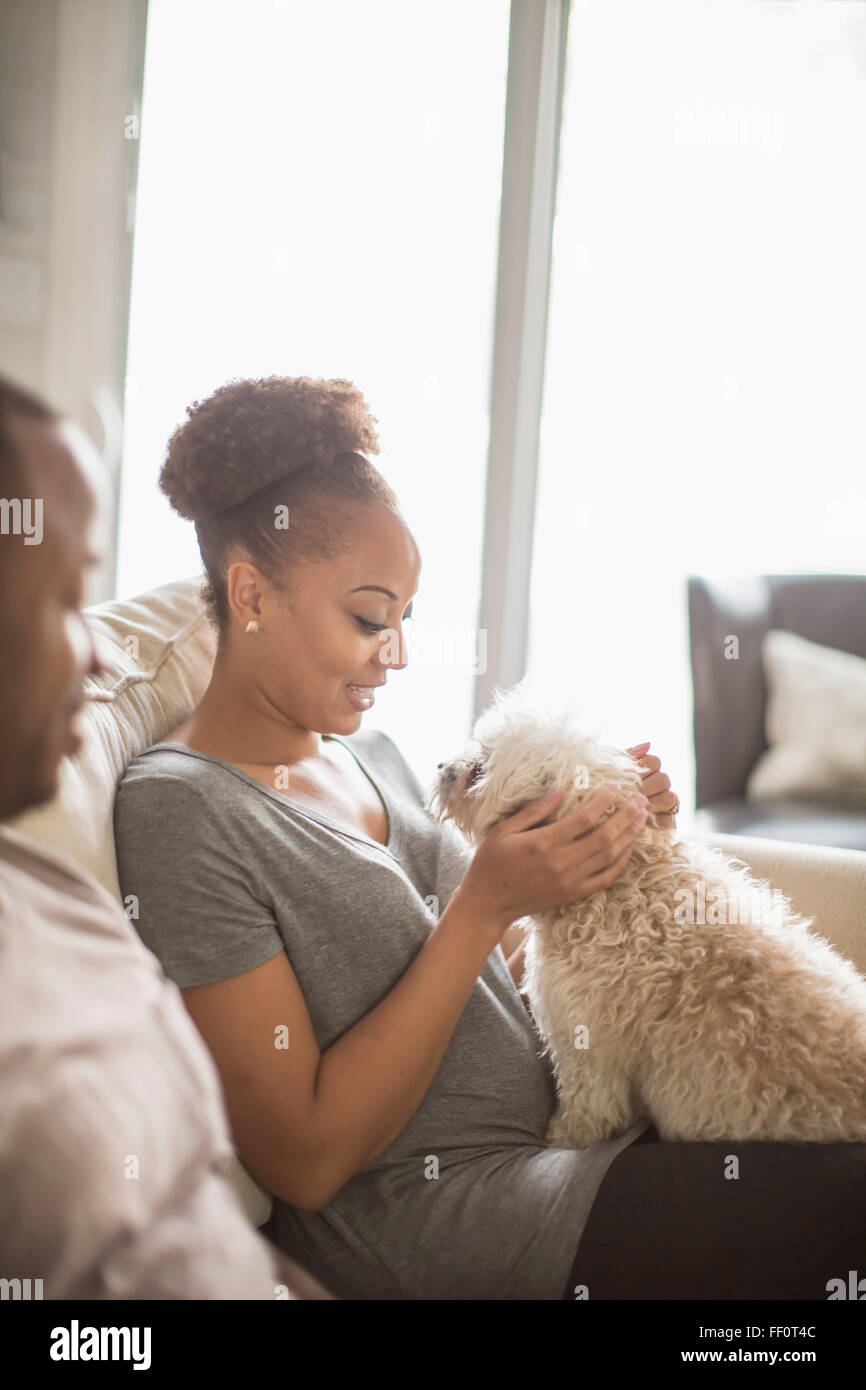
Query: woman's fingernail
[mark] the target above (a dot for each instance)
(549, 796)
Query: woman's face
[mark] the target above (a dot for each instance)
(320, 654)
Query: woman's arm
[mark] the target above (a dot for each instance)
(304, 1122)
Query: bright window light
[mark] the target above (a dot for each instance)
(707, 351)
(319, 195)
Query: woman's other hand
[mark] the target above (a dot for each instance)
(656, 787)
(522, 868)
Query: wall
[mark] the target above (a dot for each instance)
(70, 91)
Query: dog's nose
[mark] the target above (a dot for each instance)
(438, 765)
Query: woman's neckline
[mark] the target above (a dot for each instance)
(394, 841)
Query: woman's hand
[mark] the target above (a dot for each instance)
(663, 803)
(519, 870)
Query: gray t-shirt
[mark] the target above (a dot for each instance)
(228, 872)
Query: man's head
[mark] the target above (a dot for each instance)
(51, 481)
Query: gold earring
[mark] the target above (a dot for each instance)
(252, 625)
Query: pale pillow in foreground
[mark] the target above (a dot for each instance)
(158, 651)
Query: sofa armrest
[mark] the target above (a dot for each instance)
(828, 885)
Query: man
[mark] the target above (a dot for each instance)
(113, 1134)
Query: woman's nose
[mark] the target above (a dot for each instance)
(393, 654)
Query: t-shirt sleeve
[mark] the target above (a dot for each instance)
(188, 880)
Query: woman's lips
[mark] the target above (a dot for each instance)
(361, 696)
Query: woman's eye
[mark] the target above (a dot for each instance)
(377, 627)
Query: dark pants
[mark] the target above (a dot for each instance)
(667, 1223)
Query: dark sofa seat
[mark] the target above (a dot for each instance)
(816, 822)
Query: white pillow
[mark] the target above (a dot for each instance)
(815, 723)
(158, 650)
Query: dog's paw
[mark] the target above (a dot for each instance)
(578, 1132)
(556, 1134)
(562, 1134)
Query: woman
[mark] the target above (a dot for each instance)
(338, 949)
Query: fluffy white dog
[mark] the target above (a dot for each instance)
(689, 990)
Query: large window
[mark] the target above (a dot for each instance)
(707, 344)
(319, 195)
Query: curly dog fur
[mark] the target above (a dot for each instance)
(689, 990)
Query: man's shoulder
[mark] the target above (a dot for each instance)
(24, 859)
(47, 897)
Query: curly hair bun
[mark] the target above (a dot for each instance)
(250, 433)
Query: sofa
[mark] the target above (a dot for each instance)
(730, 699)
(158, 651)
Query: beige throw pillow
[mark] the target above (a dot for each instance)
(815, 723)
(158, 651)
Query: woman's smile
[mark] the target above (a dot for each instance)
(361, 696)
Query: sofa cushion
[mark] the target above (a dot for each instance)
(815, 723)
(158, 650)
(824, 883)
